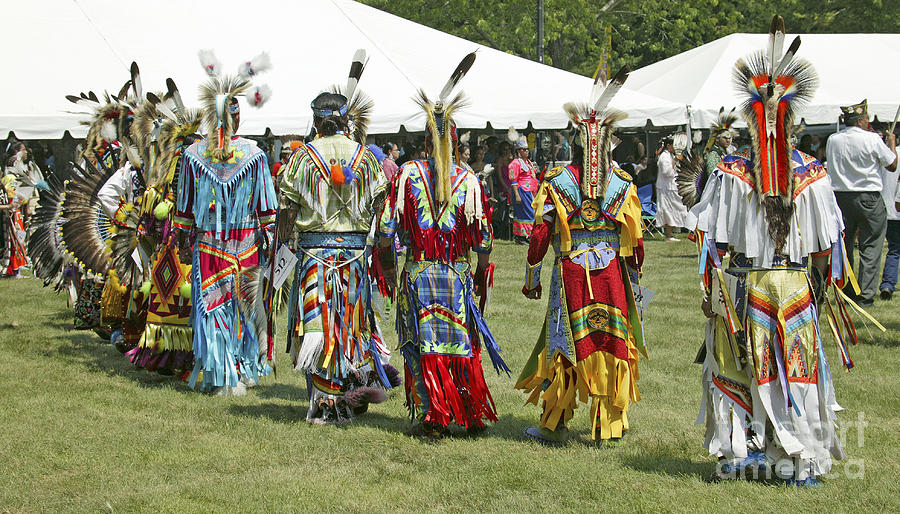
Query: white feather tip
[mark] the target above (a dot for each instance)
(259, 95)
(210, 64)
(255, 66)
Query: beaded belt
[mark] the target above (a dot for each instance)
(418, 255)
(740, 260)
(355, 240)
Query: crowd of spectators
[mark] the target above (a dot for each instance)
(868, 223)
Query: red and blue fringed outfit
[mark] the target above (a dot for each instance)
(334, 183)
(442, 332)
(230, 205)
(588, 347)
(768, 395)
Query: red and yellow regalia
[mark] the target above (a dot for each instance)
(589, 346)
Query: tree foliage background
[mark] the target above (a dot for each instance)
(636, 32)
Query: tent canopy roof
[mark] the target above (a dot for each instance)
(851, 67)
(67, 47)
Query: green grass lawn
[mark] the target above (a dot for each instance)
(82, 429)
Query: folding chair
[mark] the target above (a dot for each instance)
(648, 210)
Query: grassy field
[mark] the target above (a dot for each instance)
(81, 429)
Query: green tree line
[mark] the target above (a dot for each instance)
(579, 33)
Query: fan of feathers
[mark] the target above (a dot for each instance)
(86, 228)
(691, 178)
(44, 243)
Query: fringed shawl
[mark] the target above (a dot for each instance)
(220, 197)
(440, 232)
(730, 213)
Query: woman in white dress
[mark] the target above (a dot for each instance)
(670, 211)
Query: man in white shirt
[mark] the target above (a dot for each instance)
(855, 157)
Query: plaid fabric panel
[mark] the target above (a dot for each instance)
(436, 297)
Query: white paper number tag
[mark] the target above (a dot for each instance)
(642, 295)
(285, 260)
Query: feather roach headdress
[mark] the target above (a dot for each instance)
(774, 86)
(110, 120)
(218, 97)
(359, 105)
(441, 141)
(168, 131)
(172, 132)
(595, 123)
(723, 124)
(143, 132)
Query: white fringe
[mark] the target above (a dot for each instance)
(310, 352)
(401, 189)
(473, 208)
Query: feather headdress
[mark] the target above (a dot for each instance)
(724, 123)
(441, 140)
(169, 132)
(218, 98)
(110, 120)
(143, 132)
(775, 87)
(107, 123)
(595, 123)
(172, 135)
(359, 105)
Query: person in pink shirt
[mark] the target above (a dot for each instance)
(523, 178)
(389, 165)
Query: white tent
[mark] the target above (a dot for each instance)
(60, 47)
(851, 67)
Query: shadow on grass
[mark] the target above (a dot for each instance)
(98, 356)
(508, 427)
(295, 412)
(280, 391)
(278, 412)
(669, 465)
(875, 337)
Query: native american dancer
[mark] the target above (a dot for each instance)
(164, 129)
(29, 178)
(523, 174)
(768, 396)
(122, 305)
(330, 192)
(123, 302)
(719, 145)
(441, 213)
(12, 229)
(227, 198)
(588, 347)
(87, 228)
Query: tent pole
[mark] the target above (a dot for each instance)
(540, 31)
